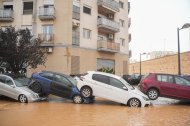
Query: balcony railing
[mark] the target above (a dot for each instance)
(103, 45)
(75, 38)
(47, 13)
(109, 4)
(129, 7)
(107, 24)
(129, 38)
(129, 22)
(6, 15)
(76, 12)
(47, 39)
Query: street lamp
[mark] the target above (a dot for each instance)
(186, 25)
(140, 62)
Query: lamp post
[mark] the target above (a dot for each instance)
(186, 25)
(140, 62)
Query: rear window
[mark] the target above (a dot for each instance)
(47, 75)
(100, 78)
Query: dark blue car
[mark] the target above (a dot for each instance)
(48, 82)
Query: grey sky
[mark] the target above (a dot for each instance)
(154, 25)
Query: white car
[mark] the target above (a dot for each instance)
(111, 87)
(16, 88)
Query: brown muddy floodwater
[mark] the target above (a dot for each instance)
(57, 111)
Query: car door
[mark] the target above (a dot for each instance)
(61, 86)
(183, 90)
(100, 85)
(167, 85)
(118, 91)
(9, 89)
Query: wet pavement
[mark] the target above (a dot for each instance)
(57, 111)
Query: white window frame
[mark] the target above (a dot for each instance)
(87, 33)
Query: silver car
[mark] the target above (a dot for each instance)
(16, 87)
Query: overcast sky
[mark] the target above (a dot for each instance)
(154, 25)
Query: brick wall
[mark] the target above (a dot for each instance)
(167, 64)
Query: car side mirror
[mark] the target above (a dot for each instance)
(125, 88)
(13, 86)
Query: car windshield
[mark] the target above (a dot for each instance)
(21, 81)
(73, 81)
(126, 83)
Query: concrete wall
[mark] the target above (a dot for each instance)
(167, 64)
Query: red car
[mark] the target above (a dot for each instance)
(165, 85)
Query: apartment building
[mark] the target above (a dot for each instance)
(79, 35)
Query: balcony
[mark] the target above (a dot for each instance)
(107, 25)
(103, 45)
(75, 38)
(129, 22)
(129, 39)
(47, 39)
(76, 12)
(6, 15)
(47, 13)
(108, 6)
(129, 6)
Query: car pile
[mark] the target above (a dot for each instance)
(84, 88)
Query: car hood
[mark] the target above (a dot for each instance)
(138, 92)
(26, 89)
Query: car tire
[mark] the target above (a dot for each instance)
(2, 71)
(134, 102)
(23, 99)
(86, 92)
(77, 99)
(153, 94)
(36, 87)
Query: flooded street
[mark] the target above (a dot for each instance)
(57, 111)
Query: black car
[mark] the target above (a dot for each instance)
(133, 79)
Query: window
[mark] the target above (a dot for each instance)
(121, 4)
(62, 80)
(122, 41)
(8, 7)
(116, 83)
(86, 33)
(8, 81)
(100, 78)
(47, 75)
(182, 81)
(86, 10)
(165, 78)
(122, 23)
(47, 29)
(27, 7)
(2, 79)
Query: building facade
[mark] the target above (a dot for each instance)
(79, 35)
(166, 64)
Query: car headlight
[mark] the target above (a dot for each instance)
(35, 95)
(146, 99)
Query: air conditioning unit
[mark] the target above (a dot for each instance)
(110, 16)
(49, 49)
(110, 36)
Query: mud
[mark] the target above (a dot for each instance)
(57, 111)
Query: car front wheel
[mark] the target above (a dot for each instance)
(77, 99)
(86, 92)
(23, 99)
(153, 94)
(134, 102)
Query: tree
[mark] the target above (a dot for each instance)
(19, 49)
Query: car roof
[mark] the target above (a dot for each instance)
(103, 73)
(45, 71)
